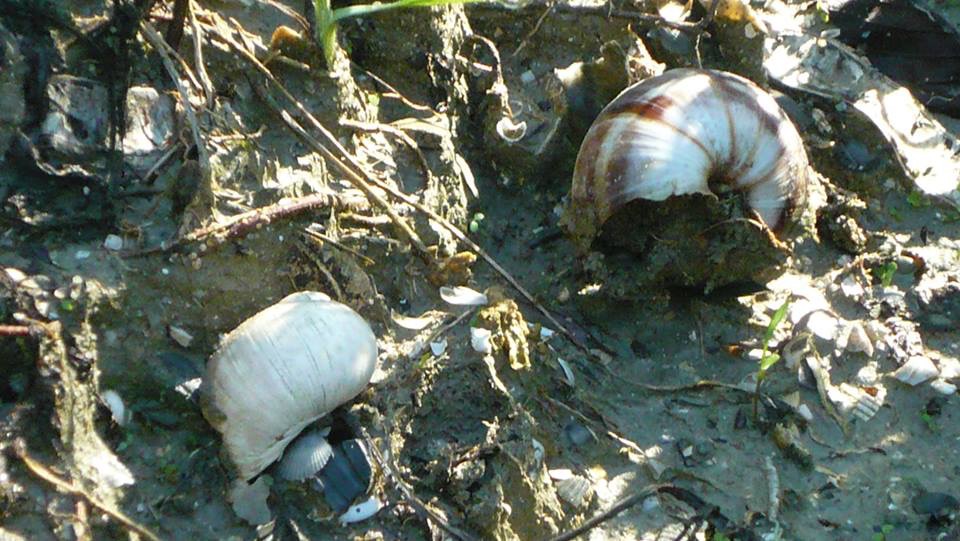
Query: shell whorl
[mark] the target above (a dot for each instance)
(688, 131)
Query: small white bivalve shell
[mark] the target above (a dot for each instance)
(282, 369)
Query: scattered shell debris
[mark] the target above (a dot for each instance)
(462, 296)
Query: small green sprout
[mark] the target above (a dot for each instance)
(327, 17)
(895, 214)
(475, 222)
(885, 530)
(917, 200)
(930, 421)
(885, 273)
(767, 358)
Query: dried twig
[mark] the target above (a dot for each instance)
(243, 223)
(320, 237)
(394, 131)
(536, 28)
(599, 425)
(70, 487)
(166, 55)
(394, 93)
(201, 68)
(357, 181)
(612, 511)
(16, 330)
(701, 26)
(446, 328)
(422, 508)
(595, 10)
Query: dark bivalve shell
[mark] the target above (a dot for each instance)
(678, 158)
(279, 371)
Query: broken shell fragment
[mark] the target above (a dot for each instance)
(667, 150)
(118, 410)
(462, 296)
(916, 370)
(307, 455)
(282, 369)
(854, 402)
(361, 511)
(575, 490)
(347, 476)
(480, 339)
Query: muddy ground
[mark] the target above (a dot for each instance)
(120, 279)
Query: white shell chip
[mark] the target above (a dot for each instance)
(361, 511)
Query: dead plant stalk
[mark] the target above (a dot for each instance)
(70, 487)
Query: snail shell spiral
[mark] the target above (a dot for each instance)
(688, 131)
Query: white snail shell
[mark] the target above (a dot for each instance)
(688, 131)
(282, 369)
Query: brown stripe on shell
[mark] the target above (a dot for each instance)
(653, 109)
(736, 89)
(597, 187)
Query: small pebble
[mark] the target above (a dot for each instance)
(528, 77)
(113, 242)
(82, 254)
(934, 503)
(578, 434)
(943, 387)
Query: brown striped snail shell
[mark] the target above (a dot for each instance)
(279, 371)
(686, 132)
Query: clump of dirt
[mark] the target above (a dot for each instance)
(691, 241)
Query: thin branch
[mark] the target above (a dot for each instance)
(394, 93)
(321, 238)
(422, 508)
(612, 511)
(595, 10)
(166, 55)
(357, 181)
(16, 330)
(536, 28)
(70, 487)
(610, 433)
(201, 68)
(440, 332)
(243, 223)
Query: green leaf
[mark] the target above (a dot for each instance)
(768, 361)
(886, 272)
(775, 322)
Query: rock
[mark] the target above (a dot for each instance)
(939, 303)
(934, 503)
(151, 127)
(13, 69)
